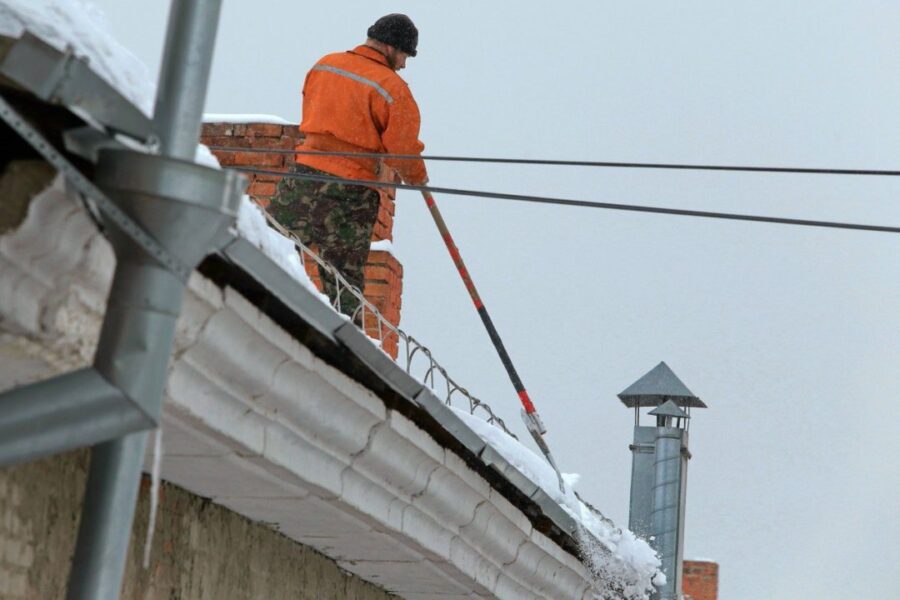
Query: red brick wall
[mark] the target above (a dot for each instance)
(701, 580)
(384, 274)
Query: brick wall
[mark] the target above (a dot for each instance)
(384, 273)
(201, 551)
(701, 580)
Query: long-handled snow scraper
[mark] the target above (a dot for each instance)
(529, 412)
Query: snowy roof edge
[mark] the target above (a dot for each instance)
(384, 377)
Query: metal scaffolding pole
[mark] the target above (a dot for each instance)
(145, 299)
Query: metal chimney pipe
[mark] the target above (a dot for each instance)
(169, 199)
(659, 469)
(666, 511)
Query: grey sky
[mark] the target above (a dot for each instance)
(790, 335)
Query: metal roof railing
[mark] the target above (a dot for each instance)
(384, 329)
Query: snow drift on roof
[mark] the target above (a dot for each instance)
(635, 563)
(81, 26)
(252, 226)
(244, 118)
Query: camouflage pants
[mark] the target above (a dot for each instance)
(336, 217)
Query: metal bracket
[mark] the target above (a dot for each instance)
(533, 422)
(87, 142)
(109, 209)
(63, 78)
(537, 430)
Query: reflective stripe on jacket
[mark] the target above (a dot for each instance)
(353, 101)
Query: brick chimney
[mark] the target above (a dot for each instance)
(384, 274)
(701, 580)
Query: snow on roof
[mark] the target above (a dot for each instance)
(81, 26)
(252, 226)
(383, 246)
(639, 562)
(244, 118)
(703, 560)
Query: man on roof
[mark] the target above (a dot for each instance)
(353, 101)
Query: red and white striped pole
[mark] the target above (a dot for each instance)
(529, 412)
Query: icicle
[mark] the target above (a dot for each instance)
(154, 494)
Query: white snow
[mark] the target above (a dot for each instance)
(383, 246)
(659, 579)
(252, 226)
(636, 563)
(154, 495)
(244, 118)
(82, 26)
(204, 156)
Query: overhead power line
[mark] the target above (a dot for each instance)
(583, 203)
(568, 163)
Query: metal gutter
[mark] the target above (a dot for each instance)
(347, 349)
(294, 297)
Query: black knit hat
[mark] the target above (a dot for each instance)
(396, 30)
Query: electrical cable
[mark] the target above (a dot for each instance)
(568, 163)
(582, 203)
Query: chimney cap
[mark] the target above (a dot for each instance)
(658, 386)
(668, 409)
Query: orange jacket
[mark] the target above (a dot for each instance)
(353, 101)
